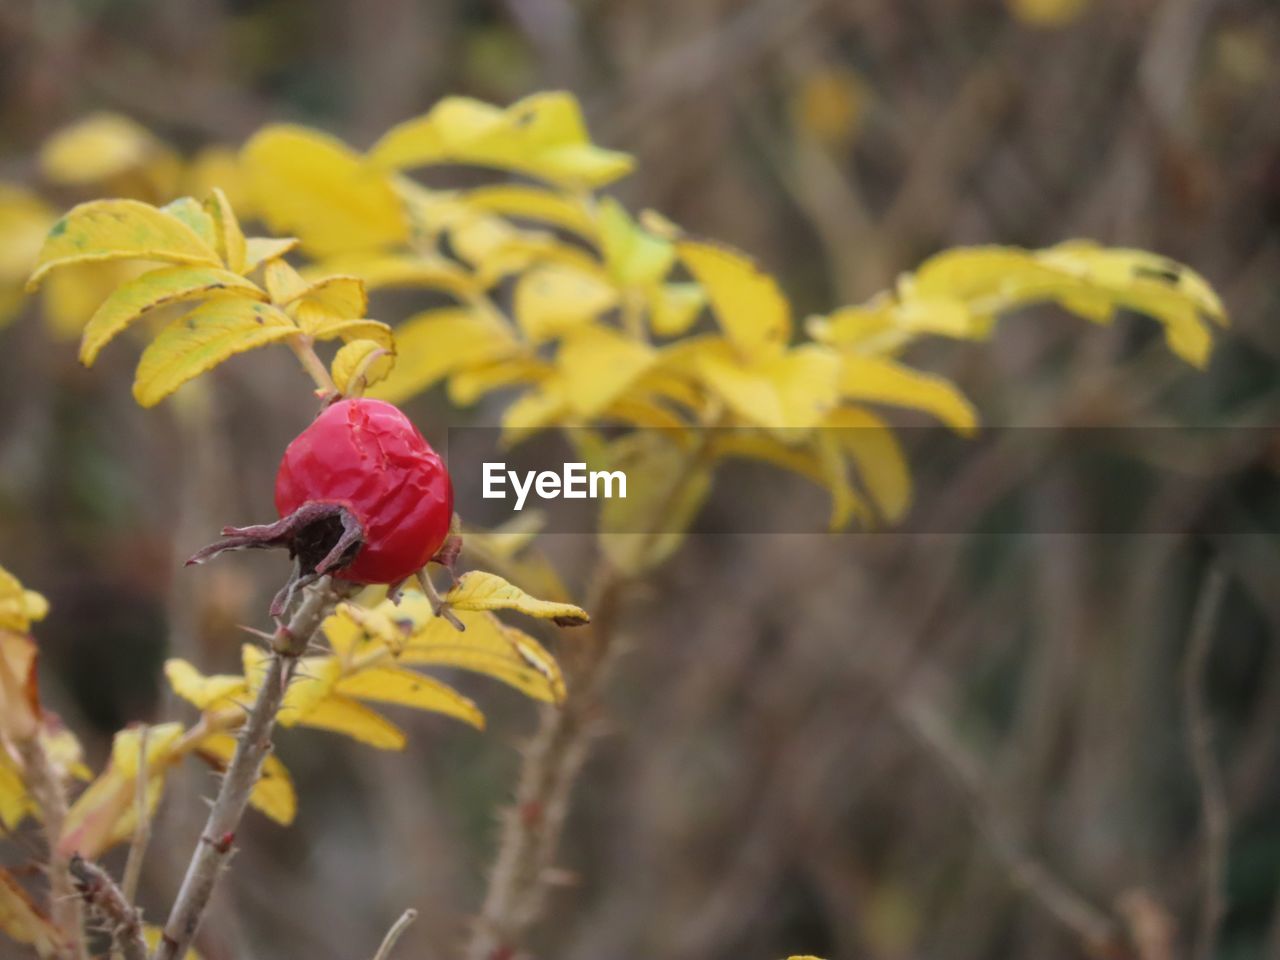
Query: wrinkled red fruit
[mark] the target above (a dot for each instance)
(366, 456)
(360, 494)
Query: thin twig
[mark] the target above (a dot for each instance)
(110, 904)
(1213, 796)
(531, 828)
(1091, 925)
(397, 930)
(142, 828)
(216, 841)
(46, 787)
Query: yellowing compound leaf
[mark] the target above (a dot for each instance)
(119, 230)
(260, 250)
(747, 303)
(487, 646)
(479, 590)
(308, 183)
(409, 689)
(634, 256)
(522, 202)
(431, 272)
(674, 307)
(435, 343)
(359, 364)
(668, 486)
(273, 794)
(878, 457)
(202, 339)
(201, 691)
(346, 716)
(879, 380)
(154, 289)
(555, 298)
(542, 136)
(230, 238)
(597, 365)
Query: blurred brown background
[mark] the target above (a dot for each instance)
(881, 746)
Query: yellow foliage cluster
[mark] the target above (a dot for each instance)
(372, 648)
(587, 315)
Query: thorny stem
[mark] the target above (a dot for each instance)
(1213, 798)
(42, 779)
(254, 742)
(531, 829)
(529, 839)
(112, 905)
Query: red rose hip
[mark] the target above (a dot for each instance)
(367, 457)
(361, 495)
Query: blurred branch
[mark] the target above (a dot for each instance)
(110, 904)
(1213, 800)
(46, 788)
(1091, 925)
(531, 829)
(218, 837)
(142, 831)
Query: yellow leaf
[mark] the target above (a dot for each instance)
(634, 256)
(230, 238)
(805, 381)
(204, 692)
(533, 203)
(260, 250)
(19, 607)
(126, 748)
(487, 646)
(542, 136)
(359, 364)
(881, 463)
(469, 385)
(308, 183)
(435, 343)
(284, 283)
(342, 296)
(554, 298)
(24, 221)
(479, 590)
(879, 380)
(154, 289)
(194, 214)
(24, 922)
(403, 270)
(747, 388)
(119, 230)
(674, 307)
(320, 324)
(596, 365)
(747, 303)
(273, 794)
(97, 148)
(668, 489)
(201, 340)
(409, 689)
(343, 715)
